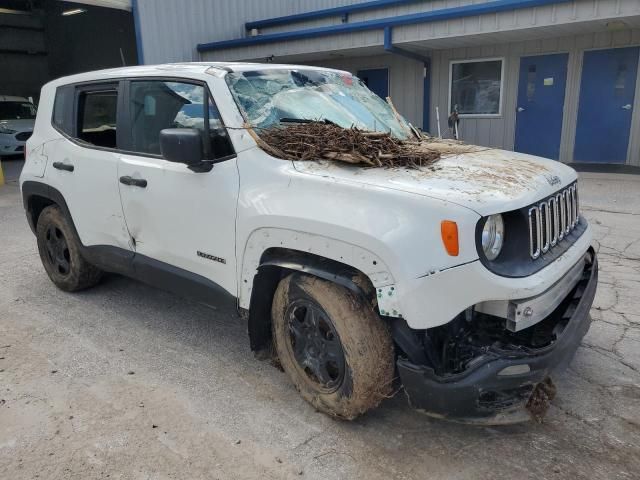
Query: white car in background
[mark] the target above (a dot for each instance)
(17, 117)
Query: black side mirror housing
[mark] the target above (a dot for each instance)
(182, 145)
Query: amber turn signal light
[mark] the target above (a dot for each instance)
(449, 232)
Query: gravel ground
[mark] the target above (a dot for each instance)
(124, 381)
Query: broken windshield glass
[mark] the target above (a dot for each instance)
(267, 97)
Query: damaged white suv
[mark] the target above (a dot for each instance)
(468, 282)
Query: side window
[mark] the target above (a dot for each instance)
(63, 110)
(97, 113)
(155, 105)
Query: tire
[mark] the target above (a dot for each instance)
(333, 345)
(59, 251)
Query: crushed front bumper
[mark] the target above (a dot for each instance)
(486, 393)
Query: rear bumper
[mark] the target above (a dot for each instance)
(485, 393)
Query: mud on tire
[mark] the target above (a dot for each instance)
(59, 251)
(344, 365)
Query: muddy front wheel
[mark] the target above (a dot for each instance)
(332, 344)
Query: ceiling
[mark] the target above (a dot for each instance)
(28, 6)
(119, 4)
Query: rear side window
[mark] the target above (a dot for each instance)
(97, 117)
(63, 110)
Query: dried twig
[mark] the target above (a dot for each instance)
(319, 140)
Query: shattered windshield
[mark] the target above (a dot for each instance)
(272, 97)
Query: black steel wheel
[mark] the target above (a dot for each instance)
(315, 344)
(59, 250)
(332, 344)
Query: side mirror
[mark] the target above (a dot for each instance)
(181, 145)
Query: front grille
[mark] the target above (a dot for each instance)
(551, 220)
(23, 136)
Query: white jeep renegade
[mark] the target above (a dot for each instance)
(467, 283)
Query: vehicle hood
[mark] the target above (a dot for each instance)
(485, 180)
(19, 125)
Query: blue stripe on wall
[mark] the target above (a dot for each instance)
(410, 19)
(326, 12)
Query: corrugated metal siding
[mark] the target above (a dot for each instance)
(171, 29)
(500, 132)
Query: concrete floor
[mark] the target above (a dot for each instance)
(124, 381)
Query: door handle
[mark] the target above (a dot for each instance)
(67, 167)
(627, 107)
(520, 109)
(134, 182)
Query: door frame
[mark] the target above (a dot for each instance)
(387, 68)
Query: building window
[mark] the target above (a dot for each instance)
(475, 87)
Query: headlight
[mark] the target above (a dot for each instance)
(493, 236)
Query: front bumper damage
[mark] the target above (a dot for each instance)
(495, 384)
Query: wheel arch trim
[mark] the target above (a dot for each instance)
(272, 252)
(31, 190)
(264, 240)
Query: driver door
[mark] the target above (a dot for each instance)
(180, 221)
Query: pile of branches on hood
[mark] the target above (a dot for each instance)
(320, 140)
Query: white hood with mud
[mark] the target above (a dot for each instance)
(485, 180)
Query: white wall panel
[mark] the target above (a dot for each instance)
(500, 132)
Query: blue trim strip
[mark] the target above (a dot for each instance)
(391, 48)
(426, 84)
(426, 100)
(136, 24)
(495, 6)
(326, 12)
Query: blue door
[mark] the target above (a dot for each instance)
(541, 90)
(607, 91)
(377, 79)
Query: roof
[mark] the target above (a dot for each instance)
(177, 69)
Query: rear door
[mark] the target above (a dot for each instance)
(83, 164)
(176, 216)
(539, 113)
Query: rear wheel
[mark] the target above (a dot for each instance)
(60, 252)
(332, 344)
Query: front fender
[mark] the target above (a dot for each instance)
(392, 237)
(263, 239)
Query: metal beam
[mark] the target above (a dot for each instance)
(495, 6)
(426, 63)
(391, 48)
(343, 11)
(135, 10)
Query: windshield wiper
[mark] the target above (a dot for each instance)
(305, 120)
